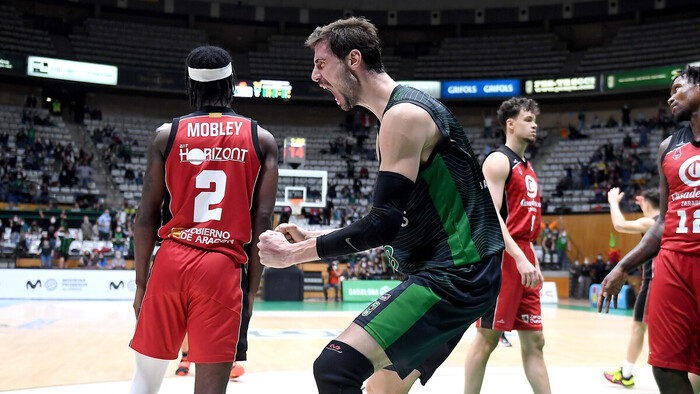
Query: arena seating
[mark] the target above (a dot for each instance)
(11, 121)
(286, 57)
(569, 153)
(139, 45)
(495, 56)
(15, 36)
(645, 45)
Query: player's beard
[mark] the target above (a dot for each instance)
(347, 89)
(684, 114)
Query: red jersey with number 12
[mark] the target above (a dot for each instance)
(212, 163)
(521, 200)
(681, 165)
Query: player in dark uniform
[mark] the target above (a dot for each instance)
(649, 202)
(674, 299)
(513, 186)
(214, 174)
(431, 210)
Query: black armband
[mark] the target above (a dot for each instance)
(379, 227)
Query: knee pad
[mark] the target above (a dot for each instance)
(340, 369)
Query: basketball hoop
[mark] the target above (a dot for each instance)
(295, 204)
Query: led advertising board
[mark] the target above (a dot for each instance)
(561, 85)
(68, 70)
(646, 77)
(474, 89)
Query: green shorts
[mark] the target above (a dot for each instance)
(422, 319)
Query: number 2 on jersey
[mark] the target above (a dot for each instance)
(202, 213)
(682, 229)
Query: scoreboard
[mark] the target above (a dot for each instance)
(295, 150)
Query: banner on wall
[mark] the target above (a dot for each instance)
(561, 85)
(646, 77)
(68, 70)
(474, 89)
(66, 284)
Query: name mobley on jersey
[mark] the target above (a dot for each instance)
(213, 129)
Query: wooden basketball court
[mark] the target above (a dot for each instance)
(82, 347)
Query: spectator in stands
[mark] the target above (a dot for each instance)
(30, 101)
(104, 223)
(626, 115)
(364, 172)
(585, 280)
(488, 122)
(34, 229)
(101, 260)
(21, 138)
(139, 178)
(63, 248)
(548, 245)
(598, 267)
(612, 122)
(118, 261)
(581, 121)
(596, 124)
(86, 229)
(46, 252)
(349, 273)
(4, 138)
(5, 188)
(350, 142)
(333, 280)
(574, 275)
(562, 246)
(350, 168)
(87, 259)
(84, 175)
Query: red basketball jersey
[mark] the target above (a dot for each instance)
(681, 165)
(521, 199)
(212, 163)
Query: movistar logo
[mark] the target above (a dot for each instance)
(117, 286)
(33, 285)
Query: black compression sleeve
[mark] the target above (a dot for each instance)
(379, 227)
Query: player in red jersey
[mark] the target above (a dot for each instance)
(649, 202)
(513, 186)
(674, 300)
(214, 174)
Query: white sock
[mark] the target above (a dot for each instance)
(148, 374)
(627, 369)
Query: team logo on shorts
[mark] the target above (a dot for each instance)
(689, 172)
(334, 347)
(526, 318)
(370, 308)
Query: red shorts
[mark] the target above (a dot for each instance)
(195, 292)
(517, 307)
(674, 312)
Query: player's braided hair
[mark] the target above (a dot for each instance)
(692, 74)
(511, 109)
(220, 91)
(344, 35)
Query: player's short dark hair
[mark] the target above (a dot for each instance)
(692, 74)
(221, 90)
(511, 109)
(652, 196)
(344, 35)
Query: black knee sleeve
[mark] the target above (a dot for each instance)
(340, 369)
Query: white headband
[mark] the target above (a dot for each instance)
(209, 74)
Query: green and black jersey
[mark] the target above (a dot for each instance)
(450, 220)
